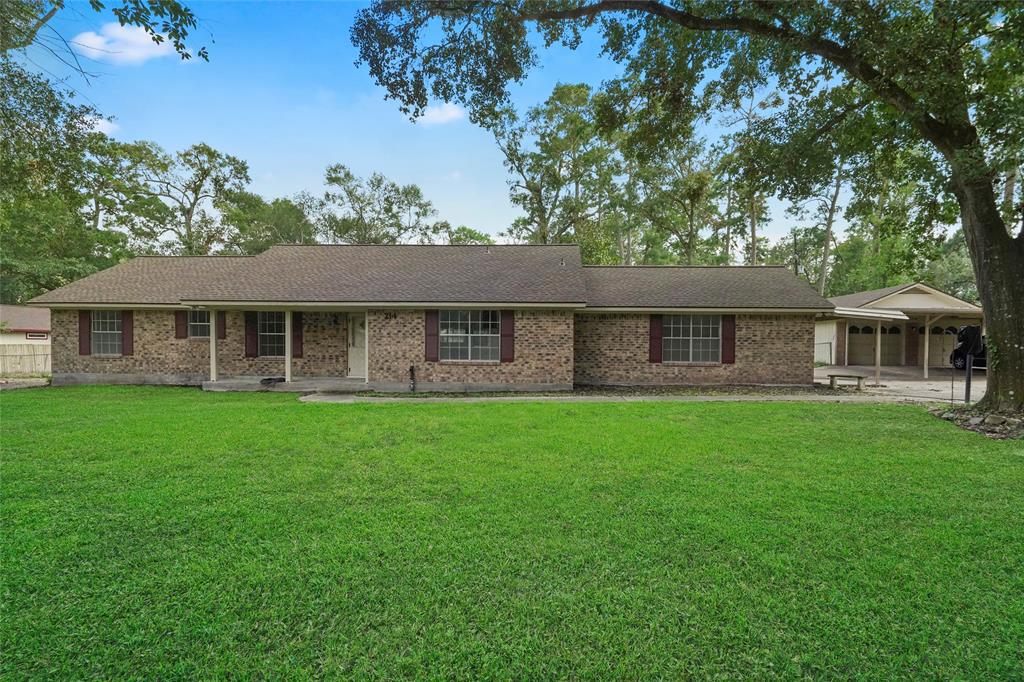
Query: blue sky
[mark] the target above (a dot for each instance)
(281, 91)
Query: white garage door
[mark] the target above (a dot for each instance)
(862, 345)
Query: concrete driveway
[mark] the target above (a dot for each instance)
(906, 382)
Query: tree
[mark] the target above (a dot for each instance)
(467, 235)
(253, 224)
(951, 271)
(375, 210)
(44, 156)
(27, 22)
(944, 74)
(190, 183)
(679, 188)
(114, 182)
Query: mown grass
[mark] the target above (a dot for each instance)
(162, 533)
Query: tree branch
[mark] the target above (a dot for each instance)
(829, 50)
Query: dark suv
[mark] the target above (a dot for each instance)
(958, 358)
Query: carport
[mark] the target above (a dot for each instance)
(873, 326)
(905, 325)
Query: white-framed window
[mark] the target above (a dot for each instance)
(199, 324)
(470, 335)
(691, 338)
(106, 332)
(270, 326)
(36, 336)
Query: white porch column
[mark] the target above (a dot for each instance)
(927, 338)
(213, 345)
(878, 353)
(287, 345)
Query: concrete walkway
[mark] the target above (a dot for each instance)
(14, 384)
(907, 382)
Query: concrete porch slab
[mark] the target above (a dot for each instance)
(297, 385)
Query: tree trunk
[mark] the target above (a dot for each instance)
(727, 245)
(1009, 189)
(998, 261)
(690, 236)
(826, 249)
(753, 231)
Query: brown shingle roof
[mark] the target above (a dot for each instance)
(22, 318)
(147, 280)
(860, 298)
(405, 274)
(665, 286)
(433, 274)
(342, 273)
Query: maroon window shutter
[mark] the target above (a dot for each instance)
(508, 335)
(84, 332)
(430, 337)
(222, 325)
(181, 324)
(252, 335)
(127, 333)
(654, 348)
(728, 339)
(296, 335)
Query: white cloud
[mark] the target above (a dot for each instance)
(441, 114)
(119, 44)
(103, 125)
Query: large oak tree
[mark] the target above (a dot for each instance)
(947, 73)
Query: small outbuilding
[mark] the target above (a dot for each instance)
(903, 325)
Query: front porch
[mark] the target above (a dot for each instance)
(305, 349)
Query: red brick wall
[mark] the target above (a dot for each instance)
(543, 351)
(612, 348)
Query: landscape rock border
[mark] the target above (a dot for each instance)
(992, 424)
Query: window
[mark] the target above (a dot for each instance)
(199, 324)
(470, 335)
(692, 338)
(271, 333)
(36, 336)
(106, 332)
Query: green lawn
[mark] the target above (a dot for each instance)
(166, 533)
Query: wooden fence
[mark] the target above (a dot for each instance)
(24, 359)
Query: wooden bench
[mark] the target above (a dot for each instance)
(832, 380)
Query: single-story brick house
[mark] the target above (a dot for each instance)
(451, 317)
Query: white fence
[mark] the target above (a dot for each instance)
(24, 359)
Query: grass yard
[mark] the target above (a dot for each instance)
(167, 533)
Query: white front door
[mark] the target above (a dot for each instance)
(357, 345)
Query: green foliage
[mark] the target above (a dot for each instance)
(26, 22)
(467, 235)
(254, 225)
(375, 210)
(157, 532)
(950, 270)
(45, 147)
